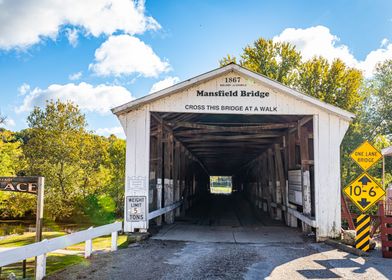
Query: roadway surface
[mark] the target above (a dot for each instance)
(224, 240)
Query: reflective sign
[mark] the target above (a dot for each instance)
(136, 208)
(365, 155)
(364, 192)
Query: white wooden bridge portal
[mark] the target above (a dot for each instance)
(281, 147)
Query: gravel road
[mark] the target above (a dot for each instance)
(157, 259)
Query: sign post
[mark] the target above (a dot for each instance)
(364, 192)
(40, 209)
(31, 185)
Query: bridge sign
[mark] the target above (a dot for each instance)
(364, 192)
(365, 155)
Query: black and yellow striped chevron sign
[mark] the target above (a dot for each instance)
(362, 239)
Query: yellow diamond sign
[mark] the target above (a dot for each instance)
(364, 192)
(365, 155)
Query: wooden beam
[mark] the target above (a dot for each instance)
(261, 126)
(248, 138)
(211, 131)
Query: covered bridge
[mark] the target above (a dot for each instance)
(281, 148)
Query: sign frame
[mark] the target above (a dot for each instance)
(29, 181)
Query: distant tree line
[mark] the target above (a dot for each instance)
(84, 172)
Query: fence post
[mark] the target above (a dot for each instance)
(88, 247)
(40, 269)
(114, 240)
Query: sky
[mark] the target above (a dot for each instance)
(103, 53)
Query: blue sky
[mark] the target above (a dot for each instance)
(102, 53)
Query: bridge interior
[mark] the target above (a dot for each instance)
(258, 151)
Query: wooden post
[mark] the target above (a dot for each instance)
(40, 209)
(272, 185)
(176, 177)
(114, 241)
(40, 270)
(159, 172)
(168, 181)
(88, 247)
(40, 261)
(24, 268)
(280, 179)
(306, 192)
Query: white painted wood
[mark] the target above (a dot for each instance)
(88, 248)
(212, 75)
(330, 124)
(307, 220)
(164, 210)
(114, 241)
(46, 246)
(40, 268)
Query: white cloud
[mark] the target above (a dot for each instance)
(117, 130)
(318, 40)
(27, 22)
(23, 89)
(125, 55)
(165, 83)
(72, 36)
(90, 98)
(75, 76)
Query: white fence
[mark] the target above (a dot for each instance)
(40, 249)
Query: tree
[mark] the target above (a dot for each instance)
(69, 157)
(333, 83)
(116, 165)
(275, 60)
(379, 111)
(12, 163)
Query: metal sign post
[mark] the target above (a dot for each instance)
(364, 191)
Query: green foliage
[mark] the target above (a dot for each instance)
(81, 169)
(100, 209)
(333, 83)
(278, 61)
(380, 110)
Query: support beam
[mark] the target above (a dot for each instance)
(306, 188)
(236, 128)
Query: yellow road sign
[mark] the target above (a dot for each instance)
(364, 192)
(365, 155)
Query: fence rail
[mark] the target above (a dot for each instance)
(164, 210)
(40, 249)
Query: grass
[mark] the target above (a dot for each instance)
(27, 238)
(55, 261)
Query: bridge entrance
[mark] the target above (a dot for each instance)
(256, 152)
(281, 148)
